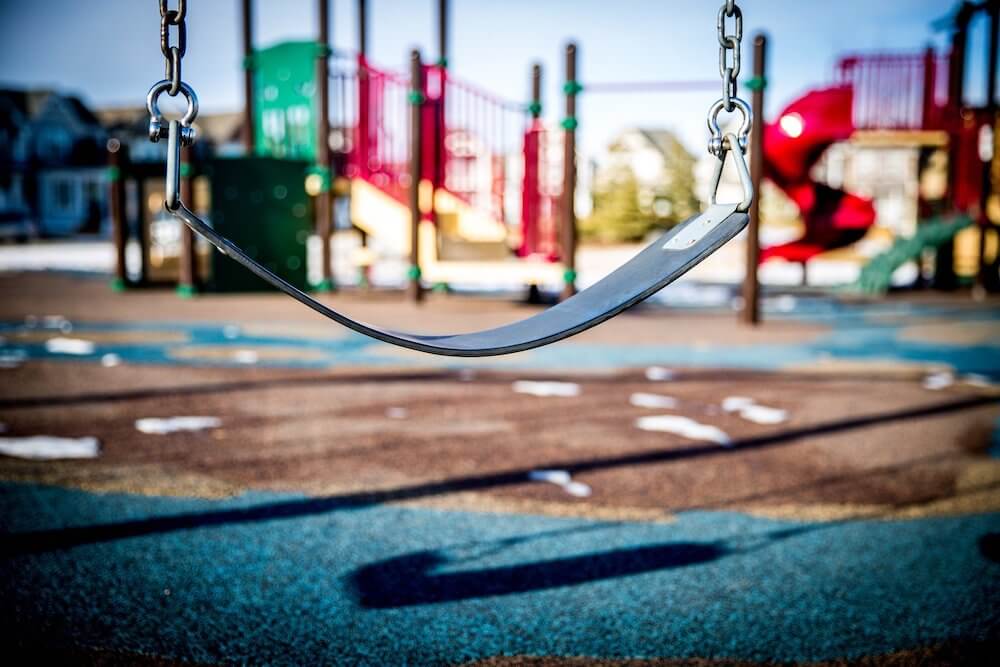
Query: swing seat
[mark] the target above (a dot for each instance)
(661, 263)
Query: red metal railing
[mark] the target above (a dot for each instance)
(472, 142)
(897, 91)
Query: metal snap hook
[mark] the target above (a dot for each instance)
(157, 127)
(715, 143)
(730, 144)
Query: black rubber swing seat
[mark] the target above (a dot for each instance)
(661, 263)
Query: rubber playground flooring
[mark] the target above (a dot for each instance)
(359, 506)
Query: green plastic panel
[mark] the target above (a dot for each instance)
(285, 100)
(261, 204)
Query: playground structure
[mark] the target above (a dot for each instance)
(489, 200)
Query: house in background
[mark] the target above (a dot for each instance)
(54, 176)
(67, 151)
(645, 181)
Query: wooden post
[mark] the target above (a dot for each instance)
(187, 272)
(568, 232)
(249, 139)
(324, 199)
(117, 166)
(751, 281)
(416, 97)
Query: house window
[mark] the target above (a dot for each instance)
(62, 194)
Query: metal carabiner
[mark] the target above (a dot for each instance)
(730, 144)
(157, 129)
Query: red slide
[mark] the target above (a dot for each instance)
(792, 146)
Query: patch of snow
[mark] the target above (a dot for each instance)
(977, 380)
(245, 356)
(762, 414)
(578, 489)
(110, 360)
(659, 374)
(396, 413)
(45, 447)
(685, 427)
(76, 346)
(562, 479)
(164, 425)
(938, 381)
(12, 358)
(547, 389)
(736, 403)
(754, 412)
(654, 401)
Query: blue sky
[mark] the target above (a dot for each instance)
(108, 51)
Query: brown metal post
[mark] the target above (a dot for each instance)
(443, 33)
(414, 289)
(568, 232)
(751, 281)
(117, 166)
(363, 27)
(944, 263)
(365, 273)
(983, 279)
(324, 199)
(536, 90)
(249, 140)
(187, 273)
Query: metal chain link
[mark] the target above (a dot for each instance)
(172, 54)
(730, 64)
(729, 50)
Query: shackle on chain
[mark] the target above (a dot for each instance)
(172, 84)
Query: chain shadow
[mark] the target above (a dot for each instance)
(64, 538)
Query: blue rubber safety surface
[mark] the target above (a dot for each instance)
(270, 578)
(859, 332)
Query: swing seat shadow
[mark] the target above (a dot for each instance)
(410, 579)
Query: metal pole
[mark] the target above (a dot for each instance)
(363, 91)
(536, 90)
(363, 27)
(443, 33)
(187, 274)
(751, 281)
(117, 165)
(568, 235)
(414, 289)
(324, 199)
(249, 138)
(944, 264)
(982, 279)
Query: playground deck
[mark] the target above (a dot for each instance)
(361, 505)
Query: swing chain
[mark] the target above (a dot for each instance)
(730, 64)
(172, 54)
(172, 84)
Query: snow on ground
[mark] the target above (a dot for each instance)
(45, 447)
(546, 389)
(562, 479)
(164, 425)
(684, 427)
